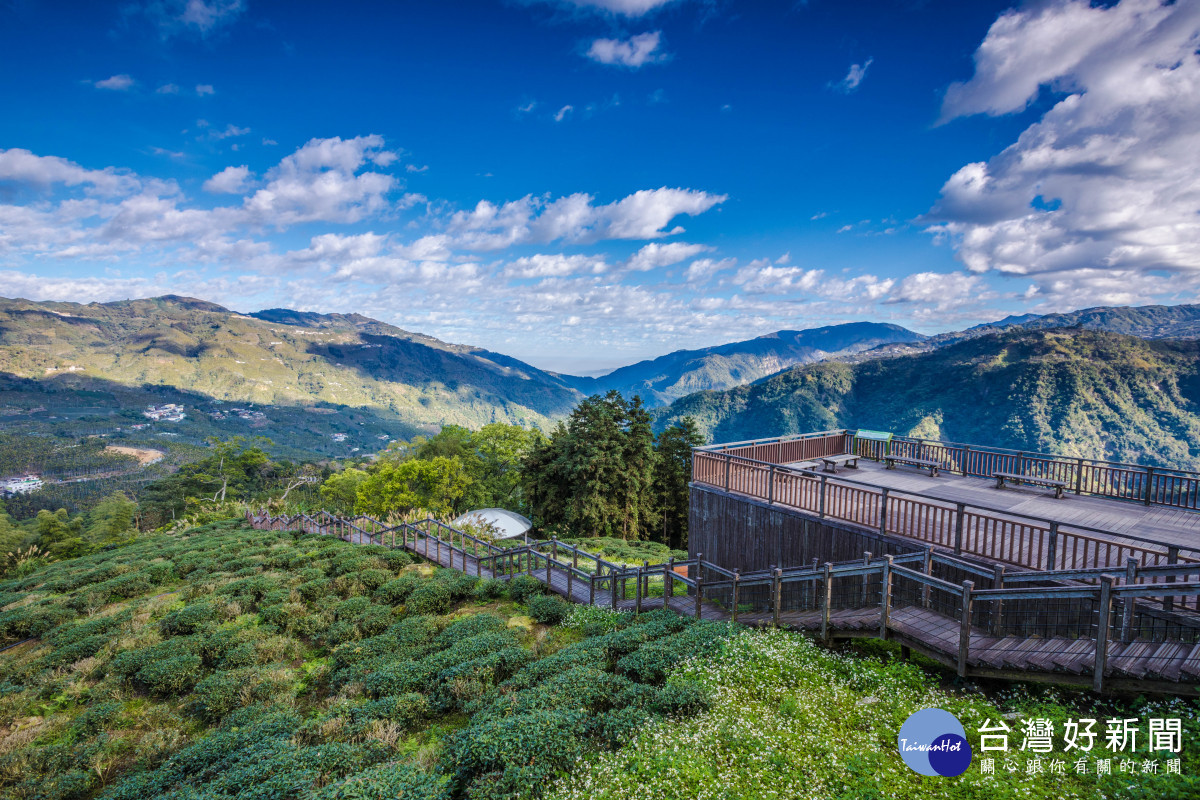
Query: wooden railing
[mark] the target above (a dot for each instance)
(1150, 485)
(963, 528)
(1144, 603)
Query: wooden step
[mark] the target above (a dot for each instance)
(1133, 659)
(1077, 657)
(1165, 662)
(1189, 667)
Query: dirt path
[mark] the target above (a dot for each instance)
(144, 455)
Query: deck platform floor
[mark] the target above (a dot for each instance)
(1170, 525)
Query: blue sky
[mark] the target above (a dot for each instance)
(585, 183)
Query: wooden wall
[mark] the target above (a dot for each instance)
(738, 532)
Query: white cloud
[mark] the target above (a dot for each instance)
(231, 180)
(1109, 177)
(117, 83)
(229, 131)
(167, 88)
(562, 113)
(415, 168)
(655, 255)
(22, 166)
(854, 76)
(702, 269)
(200, 17)
(628, 8)
(319, 182)
(574, 218)
(203, 89)
(556, 265)
(633, 52)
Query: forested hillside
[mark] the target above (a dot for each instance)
(661, 380)
(283, 359)
(1085, 393)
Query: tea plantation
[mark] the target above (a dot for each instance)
(224, 662)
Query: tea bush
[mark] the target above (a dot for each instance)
(549, 609)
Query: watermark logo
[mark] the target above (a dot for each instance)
(934, 742)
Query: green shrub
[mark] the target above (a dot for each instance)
(489, 589)
(430, 598)
(187, 620)
(523, 587)
(397, 591)
(314, 589)
(171, 676)
(549, 609)
(372, 579)
(388, 782)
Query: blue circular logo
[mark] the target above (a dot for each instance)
(934, 742)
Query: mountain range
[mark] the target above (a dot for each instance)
(664, 379)
(110, 358)
(1075, 392)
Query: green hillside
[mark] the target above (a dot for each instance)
(659, 381)
(100, 351)
(1082, 393)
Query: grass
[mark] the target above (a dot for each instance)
(789, 719)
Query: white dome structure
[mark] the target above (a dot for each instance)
(507, 524)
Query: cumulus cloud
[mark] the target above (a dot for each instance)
(574, 218)
(203, 89)
(556, 265)
(655, 255)
(231, 180)
(23, 166)
(167, 88)
(854, 76)
(117, 83)
(320, 181)
(1109, 177)
(633, 52)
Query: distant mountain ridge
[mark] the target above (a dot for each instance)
(1076, 392)
(275, 357)
(666, 378)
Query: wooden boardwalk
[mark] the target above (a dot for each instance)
(889, 598)
(1170, 525)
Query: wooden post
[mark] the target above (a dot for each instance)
(865, 578)
(1103, 620)
(637, 593)
(1149, 485)
(776, 594)
(1172, 559)
(826, 601)
(966, 454)
(727, 462)
(736, 578)
(883, 508)
(1052, 546)
(548, 562)
(998, 605)
(928, 569)
(1078, 475)
(960, 512)
(699, 594)
(570, 577)
(645, 578)
(821, 500)
(1131, 569)
(964, 631)
(669, 583)
(886, 601)
(771, 484)
(612, 589)
(591, 590)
